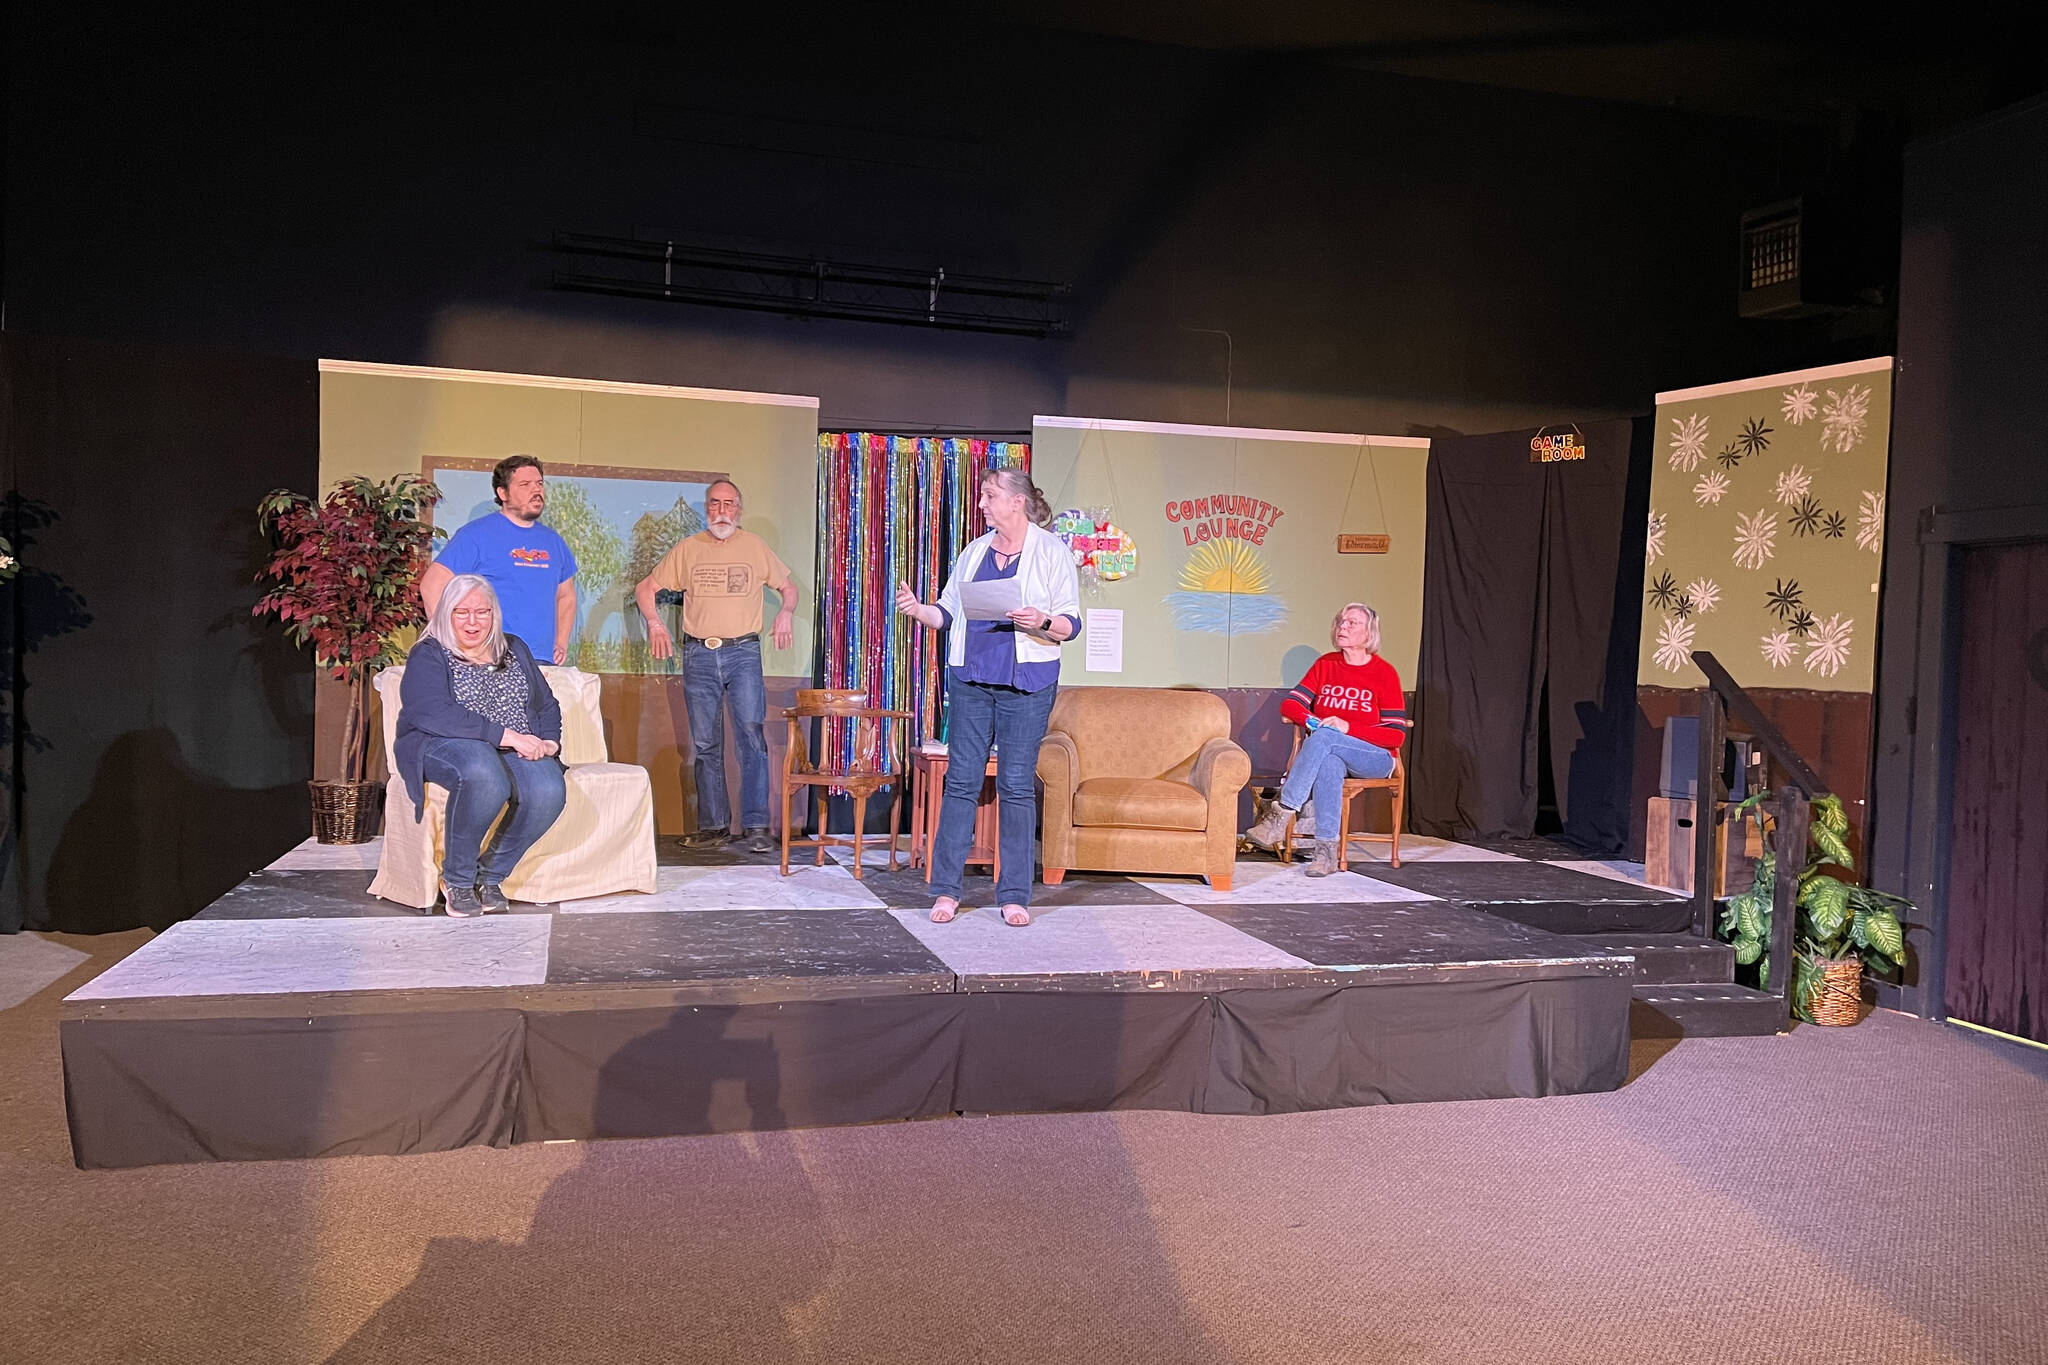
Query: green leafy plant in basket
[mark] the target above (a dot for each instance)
(1843, 929)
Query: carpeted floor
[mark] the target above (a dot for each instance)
(1877, 1193)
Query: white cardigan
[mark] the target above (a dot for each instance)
(1045, 565)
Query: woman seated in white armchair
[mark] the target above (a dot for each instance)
(478, 719)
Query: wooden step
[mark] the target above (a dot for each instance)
(1558, 900)
(1704, 1011)
(1662, 915)
(1669, 959)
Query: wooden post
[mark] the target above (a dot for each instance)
(1706, 806)
(1793, 815)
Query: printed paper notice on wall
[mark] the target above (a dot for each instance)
(1104, 639)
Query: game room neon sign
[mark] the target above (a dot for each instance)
(1224, 516)
(1555, 449)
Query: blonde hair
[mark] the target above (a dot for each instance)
(442, 627)
(1372, 625)
(1017, 482)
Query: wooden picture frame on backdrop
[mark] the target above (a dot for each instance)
(618, 536)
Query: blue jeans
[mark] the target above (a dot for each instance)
(714, 679)
(1325, 760)
(481, 779)
(977, 713)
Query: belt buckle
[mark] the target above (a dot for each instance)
(714, 642)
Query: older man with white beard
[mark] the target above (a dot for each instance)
(721, 572)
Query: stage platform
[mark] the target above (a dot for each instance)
(299, 1016)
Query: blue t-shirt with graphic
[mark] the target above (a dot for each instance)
(525, 564)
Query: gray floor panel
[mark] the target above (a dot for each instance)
(1093, 941)
(292, 956)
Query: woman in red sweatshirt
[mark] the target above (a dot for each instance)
(1351, 702)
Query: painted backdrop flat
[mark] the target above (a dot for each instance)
(1766, 530)
(1238, 572)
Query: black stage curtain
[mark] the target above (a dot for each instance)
(161, 738)
(1284, 1051)
(277, 1087)
(141, 1089)
(628, 1072)
(1530, 612)
(11, 912)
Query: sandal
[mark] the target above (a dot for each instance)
(944, 909)
(1016, 916)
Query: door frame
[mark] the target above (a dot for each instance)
(1944, 536)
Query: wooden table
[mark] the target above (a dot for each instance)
(927, 795)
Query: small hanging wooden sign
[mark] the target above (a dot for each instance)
(1364, 545)
(1554, 449)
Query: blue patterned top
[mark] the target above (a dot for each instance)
(495, 692)
(991, 645)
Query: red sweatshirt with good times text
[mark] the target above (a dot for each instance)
(1365, 695)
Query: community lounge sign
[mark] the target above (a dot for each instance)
(1224, 516)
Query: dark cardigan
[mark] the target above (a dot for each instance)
(427, 709)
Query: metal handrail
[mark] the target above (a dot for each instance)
(1722, 695)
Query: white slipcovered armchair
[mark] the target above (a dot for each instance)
(602, 844)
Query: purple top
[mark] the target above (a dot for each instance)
(992, 647)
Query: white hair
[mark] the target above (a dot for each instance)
(738, 497)
(459, 589)
(1372, 624)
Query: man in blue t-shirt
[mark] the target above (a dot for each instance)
(527, 563)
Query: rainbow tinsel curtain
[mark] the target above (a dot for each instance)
(893, 509)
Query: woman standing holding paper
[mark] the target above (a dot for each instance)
(1003, 670)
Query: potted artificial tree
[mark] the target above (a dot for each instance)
(1842, 931)
(347, 572)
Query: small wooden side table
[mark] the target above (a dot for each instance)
(927, 796)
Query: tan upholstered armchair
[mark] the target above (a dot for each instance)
(1141, 779)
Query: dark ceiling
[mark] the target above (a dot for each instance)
(1805, 63)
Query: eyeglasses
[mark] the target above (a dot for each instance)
(472, 613)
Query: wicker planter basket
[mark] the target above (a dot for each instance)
(1839, 1001)
(345, 812)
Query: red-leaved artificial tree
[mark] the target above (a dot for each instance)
(347, 572)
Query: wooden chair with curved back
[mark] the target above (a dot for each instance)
(1394, 784)
(835, 708)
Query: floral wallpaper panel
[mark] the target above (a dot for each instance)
(1767, 529)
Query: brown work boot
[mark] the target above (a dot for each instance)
(1329, 859)
(1268, 833)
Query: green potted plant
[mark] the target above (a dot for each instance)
(346, 573)
(1842, 930)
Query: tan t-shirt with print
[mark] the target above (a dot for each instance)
(721, 581)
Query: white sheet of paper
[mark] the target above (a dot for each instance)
(1104, 639)
(992, 600)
